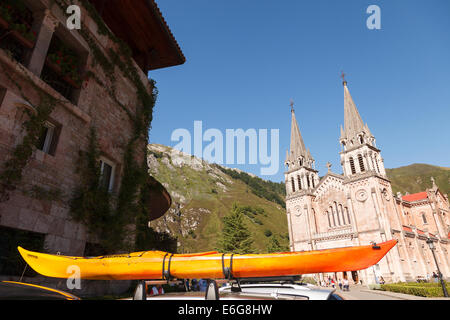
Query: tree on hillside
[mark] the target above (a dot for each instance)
(275, 245)
(235, 238)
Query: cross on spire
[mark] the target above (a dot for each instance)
(292, 105)
(343, 78)
(329, 166)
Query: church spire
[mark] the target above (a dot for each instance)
(298, 152)
(354, 131)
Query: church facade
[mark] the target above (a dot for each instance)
(358, 207)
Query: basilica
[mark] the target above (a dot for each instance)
(358, 207)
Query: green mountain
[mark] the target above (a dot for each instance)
(204, 193)
(417, 177)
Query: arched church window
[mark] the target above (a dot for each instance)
(307, 180)
(352, 165)
(361, 163)
(376, 162)
(361, 139)
(312, 181)
(332, 216)
(342, 214)
(293, 184)
(299, 182)
(337, 213)
(348, 215)
(329, 220)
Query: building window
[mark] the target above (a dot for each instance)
(299, 180)
(48, 138)
(348, 215)
(424, 218)
(332, 215)
(352, 165)
(307, 180)
(17, 36)
(337, 214)
(312, 181)
(341, 212)
(361, 163)
(376, 162)
(293, 184)
(106, 174)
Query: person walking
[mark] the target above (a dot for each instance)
(340, 284)
(346, 286)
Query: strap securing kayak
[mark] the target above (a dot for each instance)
(166, 273)
(227, 271)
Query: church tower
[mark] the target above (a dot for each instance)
(301, 179)
(367, 187)
(360, 153)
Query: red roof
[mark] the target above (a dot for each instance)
(420, 231)
(415, 196)
(407, 229)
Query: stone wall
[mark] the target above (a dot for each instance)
(93, 107)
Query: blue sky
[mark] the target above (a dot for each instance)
(247, 59)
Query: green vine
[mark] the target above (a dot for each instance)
(11, 173)
(91, 205)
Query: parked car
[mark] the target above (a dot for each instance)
(11, 290)
(285, 290)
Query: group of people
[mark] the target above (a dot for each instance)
(331, 282)
(196, 285)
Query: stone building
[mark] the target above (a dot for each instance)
(93, 82)
(358, 207)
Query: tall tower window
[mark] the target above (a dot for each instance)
(376, 162)
(293, 184)
(352, 165)
(361, 139)
(307, 180)
(312, 181)
(424, 218)
(329, 221)
(361, 163)
(299, 182)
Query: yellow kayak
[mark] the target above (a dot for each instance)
(147, 265)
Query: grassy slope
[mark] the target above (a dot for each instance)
(197, 187)
(416, 178)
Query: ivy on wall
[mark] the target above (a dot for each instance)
(109, 221)
(11, 172)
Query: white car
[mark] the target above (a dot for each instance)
(284, 290)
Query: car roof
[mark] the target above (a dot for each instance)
(309, 291)
(11, 290)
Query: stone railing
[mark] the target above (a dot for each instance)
(335, 234)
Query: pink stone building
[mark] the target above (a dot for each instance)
(88, 95)
(358, 207)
